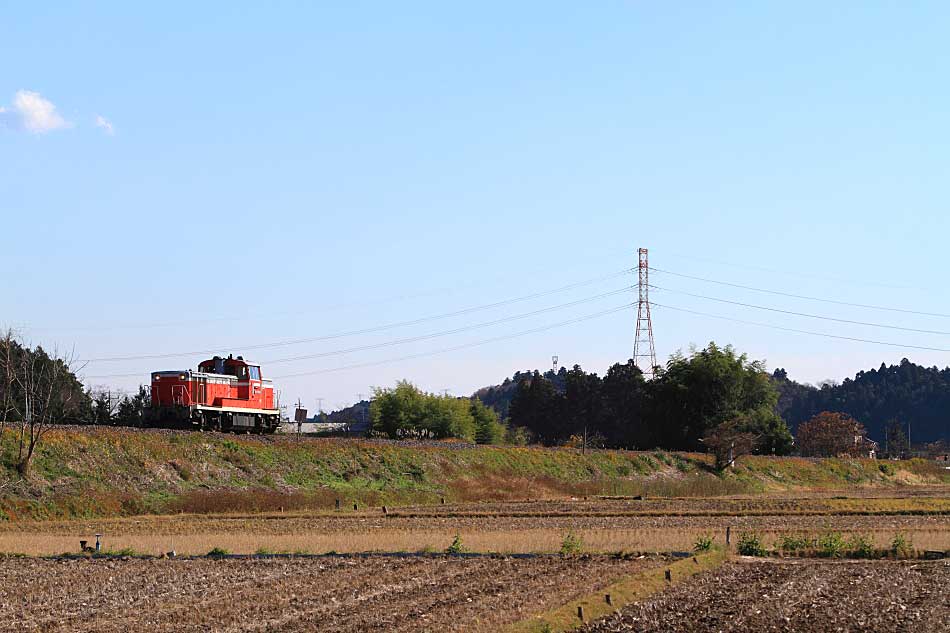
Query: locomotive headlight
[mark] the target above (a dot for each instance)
(182, 377)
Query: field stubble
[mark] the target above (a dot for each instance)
(326, 594)
(767, 596)
(602, 525)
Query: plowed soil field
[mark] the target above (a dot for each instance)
(815, 596)
(372, 593)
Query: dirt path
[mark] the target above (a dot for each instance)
(818, 596)
(325, 594)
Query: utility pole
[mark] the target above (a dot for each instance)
(644, 352)
(362, 409)
(298, 418)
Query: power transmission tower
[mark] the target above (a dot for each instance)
(554, 363)
(644, 352)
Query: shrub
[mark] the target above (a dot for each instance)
(861, 546)
(831, 545)
(125, 551)
(794, 543)
(218, 552)
(703, 543)
(456, 547)
(886, 469)
(750, 545)
(902, 546)
(571, 545)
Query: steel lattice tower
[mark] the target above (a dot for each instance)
(644, 353)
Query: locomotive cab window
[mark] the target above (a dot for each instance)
(255, 372)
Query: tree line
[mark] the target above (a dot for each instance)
(708, 397)
(713, 399)
(407, 412)
(886, 400)
(692, 400)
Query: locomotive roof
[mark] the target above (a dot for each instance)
(239, 361)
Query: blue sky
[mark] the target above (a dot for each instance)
(186, 177)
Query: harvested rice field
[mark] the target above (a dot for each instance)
(802, 595)
(604, 525)
(372, 593)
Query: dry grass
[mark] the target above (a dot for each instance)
(635, 587)
(502, 541)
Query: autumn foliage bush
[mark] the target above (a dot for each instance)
(830, 434)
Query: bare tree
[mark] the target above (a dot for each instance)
(7, 379)
(729, 441)
(50, 393)
(105, 404)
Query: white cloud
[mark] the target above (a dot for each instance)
(105, 124)
(33, 113)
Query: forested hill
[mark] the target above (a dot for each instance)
(905, 393)
(499, 397)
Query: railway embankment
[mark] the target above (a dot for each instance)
(100, 472)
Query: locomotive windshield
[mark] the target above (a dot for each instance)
(255, 372)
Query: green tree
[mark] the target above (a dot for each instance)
(537, 406)
(407, 411)
(623, 394)
(895, 440)
(102, 407)
(771, 432)
(696, 393)
(583, 405)
(132, 408)
(488, 430)
(447, 417)
(397, 412)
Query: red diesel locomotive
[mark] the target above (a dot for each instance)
(225, 394)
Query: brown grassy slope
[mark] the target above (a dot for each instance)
(96, 471)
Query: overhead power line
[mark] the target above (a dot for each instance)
(421, 337)
(455, 348)
(813, 333)
(803, 314)
(368, 330)
(459, 330)
(797, 296)
(796, 273)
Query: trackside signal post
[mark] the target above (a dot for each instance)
(644, 353)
